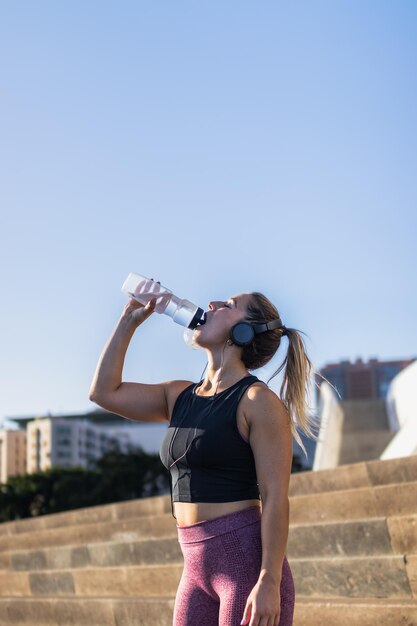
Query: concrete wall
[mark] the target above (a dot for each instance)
(331, 427)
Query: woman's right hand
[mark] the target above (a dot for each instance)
(137, 312)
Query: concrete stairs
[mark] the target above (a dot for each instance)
(352, 548)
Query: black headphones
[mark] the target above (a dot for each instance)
(243, 333)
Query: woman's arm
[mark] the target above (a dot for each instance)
(135, 401)
(270, 437)
(108, 375)
(274, 530)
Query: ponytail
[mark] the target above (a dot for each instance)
(296, 385)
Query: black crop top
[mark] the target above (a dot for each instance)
(219, 465)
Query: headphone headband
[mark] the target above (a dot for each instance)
(261, 327)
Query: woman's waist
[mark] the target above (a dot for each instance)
(188, 513)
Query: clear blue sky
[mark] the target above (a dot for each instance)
(218, 147)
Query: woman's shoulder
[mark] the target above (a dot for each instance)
(257, 395)
(258, 388)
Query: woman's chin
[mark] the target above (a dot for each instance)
(198, 339)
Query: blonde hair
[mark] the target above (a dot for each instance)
(295, 387)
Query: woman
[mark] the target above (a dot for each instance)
(229, 448)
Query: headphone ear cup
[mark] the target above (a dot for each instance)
(242, 333)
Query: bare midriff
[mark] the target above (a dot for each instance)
(192, 512)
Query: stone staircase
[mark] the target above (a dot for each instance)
(352, 548)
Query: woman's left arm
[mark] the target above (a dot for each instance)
(274, 530)
(270, 437)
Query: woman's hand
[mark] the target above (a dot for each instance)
(263, 606)
(137, 312)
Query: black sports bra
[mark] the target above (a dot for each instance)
(219, 465)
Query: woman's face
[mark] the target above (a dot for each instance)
(220, 317)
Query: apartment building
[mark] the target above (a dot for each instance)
(12, 453)
(61, 442)
(362, 380)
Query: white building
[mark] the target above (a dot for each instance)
(12, 453)
(402, 414)
(55, 441)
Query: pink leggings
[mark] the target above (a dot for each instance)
(222, 562)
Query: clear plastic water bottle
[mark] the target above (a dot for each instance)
(181, 311)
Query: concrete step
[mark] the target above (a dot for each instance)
(383, 576)
(147, 611)
(108, 554)
(110, 581)
(355, 504)
(373, 537)
(365, 611)
(72, 611)
(351, 504)
(363, 474)
(148, 526)
(368, 537)
(393, 576)
(154, 505)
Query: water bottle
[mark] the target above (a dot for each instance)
(181, 311)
